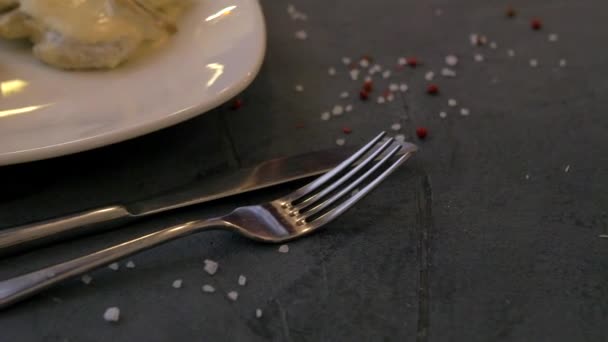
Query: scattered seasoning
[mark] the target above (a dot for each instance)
(346, 60)
(301, 35)
(386, 74)
(299, 88)
(112, 314)
(236, 104)
(177, 283)
(464, 112)
(337, 110)
(510, 12)
(477, 40)
(511, 53)
(339, 142)
(364, 63)
(363, 95)
(285, 248)
(347, 130)
(381, 100)
(533, 63)
(114, 266)
(377, 68)
(536, 24)
(344, 95)
(567, 168)
(446, 72)
(390, 97)
(396, 126)
(348, 108)
(208, 288)
(493, 45)
(393, 87)
(331, 71)
(130, 264)
(325, 116)
(400, 138)
(451, 60)
(443, 115)
(429, 76)
(432, 89)
(368, 86)
(367, 78)
(354, 74)
(401, 61)
(478, 57)
(242, 280)
(421, 132)
(562, 63)
(412, 61)
(452, 103)
(527, 176)
(258, 313)
(233, 295)
(403, 87)
(553, 37)
(211, 266)
(86, 279)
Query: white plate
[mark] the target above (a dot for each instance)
(45, 112)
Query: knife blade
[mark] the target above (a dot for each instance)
(263, 175)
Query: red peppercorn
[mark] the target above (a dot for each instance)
(363, 95)
(511, 12)
(347, 130)
(238, 103)
(368, 86)
(432, 89)
(536, 24)
(421, 132)
(412, 61)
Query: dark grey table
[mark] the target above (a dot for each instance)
(482, 236)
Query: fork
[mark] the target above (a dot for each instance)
(295, 215)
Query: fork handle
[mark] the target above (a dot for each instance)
(21, 287)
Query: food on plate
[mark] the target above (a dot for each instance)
(88, 34)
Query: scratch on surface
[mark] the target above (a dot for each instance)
(425, 221)
(284, 322)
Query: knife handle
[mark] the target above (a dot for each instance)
(23, 238)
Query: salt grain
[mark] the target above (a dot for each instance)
(343, 94)
(493, 45)
(377, 67)
(291, 9)
(86, 279)
(325, 116)
(478, 57)
(130, 264)
(337, 110)
(301, 35)
(452, 103)
(533, 63)
(208, 288)
(348, 108)
(429, 76)
(233, 295)
(258, 313)
(396, 126)
(553, 37)
(390, 97)
(242, 280)
(562, 63)
(368, 78)
(177, 283)
(364, 63)
(393, 87)
(386, 74)
(403, 87)
(400, 138)
(511, 53)
(567, 168)
(443, 115)
(112, 314)
(445, 72)
(211, 266)
(346, 60)
(451, 60)
(285, 248)
(354, 74)
(527, 176)
(299, 88)
(402, 61)
(331, 71)
(464, 112)
(114, 266)
(381, 100)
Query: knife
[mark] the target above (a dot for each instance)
(265, 174)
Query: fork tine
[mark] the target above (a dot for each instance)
(339, 210)
(331, 187)
(312, 186)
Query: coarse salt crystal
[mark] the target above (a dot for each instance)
(331, 71)
(448, 72)
(403, 87)
(390, 97)
(402, 61)
(177, 283)
(381, 99)
(429, 76)
(567, 168)
(377, 67)
(533, 63)
(553, 37)
(396, 126)
(452, 103)
(344, 94)
(301, 34)
(291, 8)
(478, 57)
(337, 110)
(354, 74)
(112, 314)
(368, 78)
(325, 116)
(211, 266)
(511, 53)
(400, 138)
(393, 87)
(285, 248)
(242, 280)
(233, 295)
(464, 112)
(493, 45)
(346, 60)
(208, 288)
(87, 279)
(451, 60)
(364, 63)
(348, 108)
(299, 88)
(443, 115)
(527, 176)
(562, 63)
(386, 74)
(114, 266)
(130, 264)
(258, 313)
